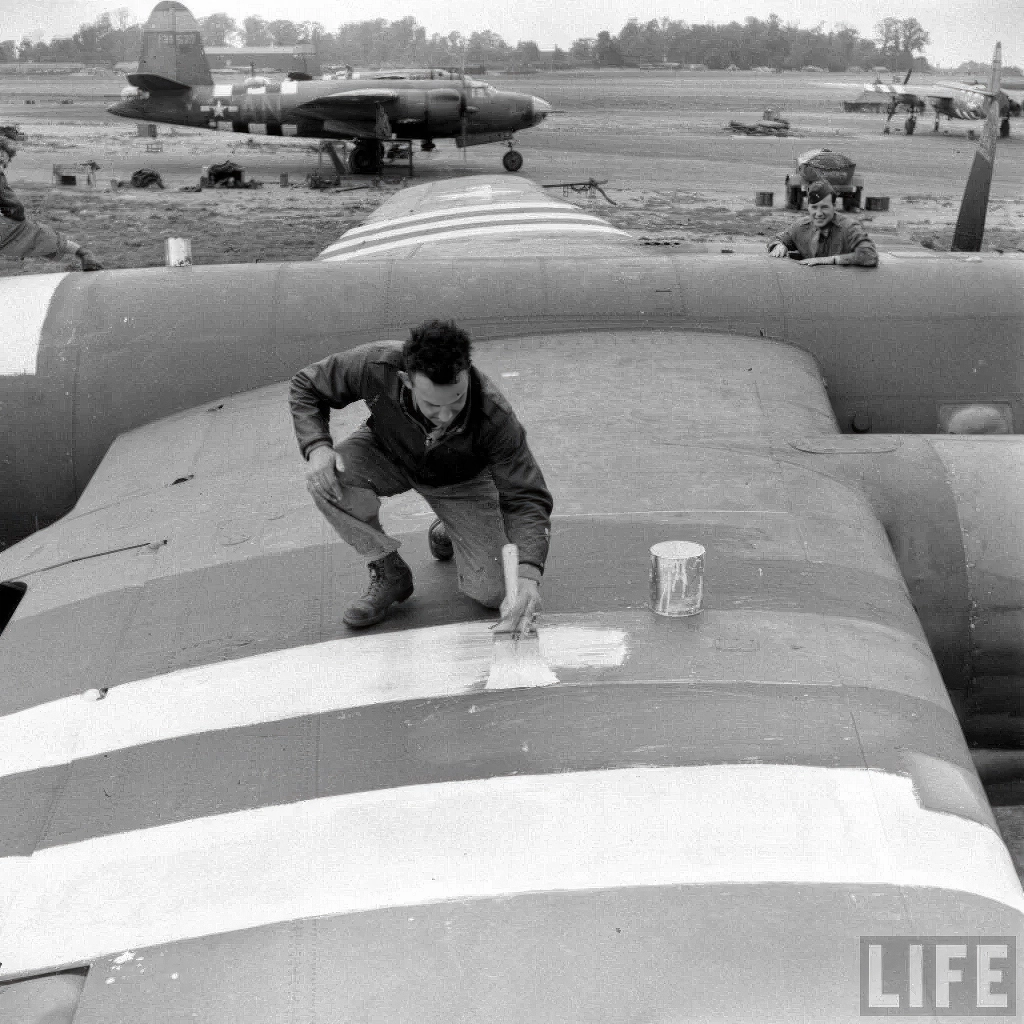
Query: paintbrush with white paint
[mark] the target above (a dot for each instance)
(516, 659)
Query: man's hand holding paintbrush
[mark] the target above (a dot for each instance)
(522, 597)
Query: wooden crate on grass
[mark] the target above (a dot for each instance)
(74, 174)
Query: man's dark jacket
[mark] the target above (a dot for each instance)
(486, 435)
(10, 205)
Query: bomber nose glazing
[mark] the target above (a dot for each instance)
(539, 108)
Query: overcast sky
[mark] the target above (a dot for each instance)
(960, 29)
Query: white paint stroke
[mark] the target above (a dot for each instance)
(503, 229)
(25, 301)
(434, 661)
(703, 825)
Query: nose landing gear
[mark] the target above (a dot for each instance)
(512, 160)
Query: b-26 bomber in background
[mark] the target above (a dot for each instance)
(173, 85)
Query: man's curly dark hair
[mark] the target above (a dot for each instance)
(439, 349)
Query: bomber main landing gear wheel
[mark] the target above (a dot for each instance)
(512, 160)
(366, 158)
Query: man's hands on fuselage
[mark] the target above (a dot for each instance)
(779, 251)
(323, 458)
(518, 617)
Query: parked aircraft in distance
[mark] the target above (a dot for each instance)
(173, 85)
(963, 101)
(219, 805)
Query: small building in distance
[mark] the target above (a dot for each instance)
(301, 58)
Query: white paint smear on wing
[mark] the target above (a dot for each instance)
(435, 661)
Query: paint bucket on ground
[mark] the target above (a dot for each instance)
(764, 198)
(178, 252)
(877, 203)
(677, 578)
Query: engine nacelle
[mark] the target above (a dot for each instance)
(951, 507)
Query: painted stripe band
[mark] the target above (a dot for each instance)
(428, 662)
(745, 825)
(553, 217)
(450, 213)
(25, 301)
(485, 735)
(504, 229)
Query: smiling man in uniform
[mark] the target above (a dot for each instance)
(440, 427)
(826, 238)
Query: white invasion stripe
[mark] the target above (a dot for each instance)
(257, 90)
(474, 208)
(456, 219)
(289, 86)
(434, 661)
(426, 230)
(223, 89)
(25, 301)
(503, 229)
(574, 831)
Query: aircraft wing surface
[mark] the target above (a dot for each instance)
(900, 93)
(483, 216)
(945, 89)
(268, 817)
(352, 101)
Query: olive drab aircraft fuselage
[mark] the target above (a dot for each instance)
(173, 85)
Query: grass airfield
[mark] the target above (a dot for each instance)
(658, 138)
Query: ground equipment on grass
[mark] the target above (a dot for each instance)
(835, 168)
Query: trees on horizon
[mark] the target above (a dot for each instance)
(769, 42)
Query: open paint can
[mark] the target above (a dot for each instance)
(677, 578)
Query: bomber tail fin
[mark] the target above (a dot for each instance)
(970, 224)
(172, 51)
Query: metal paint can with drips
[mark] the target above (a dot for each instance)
(677, 578)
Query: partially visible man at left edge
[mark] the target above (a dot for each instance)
(20, 237)
(440, 427)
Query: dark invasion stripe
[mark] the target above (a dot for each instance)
(298, 597)
(476, 736)
(716, 953)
